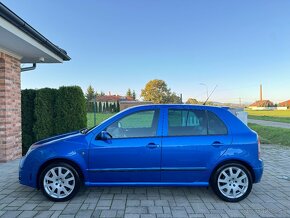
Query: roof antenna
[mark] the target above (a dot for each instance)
(210, 95)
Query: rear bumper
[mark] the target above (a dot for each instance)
(258, 171)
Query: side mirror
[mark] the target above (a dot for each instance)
(104, 135)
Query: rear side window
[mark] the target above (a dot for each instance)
(215, 125)
(187, 122)
(194, 123)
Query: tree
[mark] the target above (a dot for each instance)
(107, 107)
(129, 93)
(90, 93)
(191, 101)
(174, 99)
(156, 91)
(134, 95)
(102, 93)
(100, 107)
(118, 106)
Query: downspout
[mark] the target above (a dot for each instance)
(28, 68)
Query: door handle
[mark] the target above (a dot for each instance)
(152, 145)
(217, 144)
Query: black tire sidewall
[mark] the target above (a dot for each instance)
(72, 169)
(214, 182)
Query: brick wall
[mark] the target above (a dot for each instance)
(10, 108)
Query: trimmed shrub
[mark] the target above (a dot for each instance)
(27, 114)
(70, 109)
(44, 113)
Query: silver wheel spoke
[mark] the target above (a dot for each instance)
(231, 171)
(53, 173)
(49, 178)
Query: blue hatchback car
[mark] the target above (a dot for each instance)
(150, 145)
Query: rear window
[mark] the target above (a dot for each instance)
(215, 125)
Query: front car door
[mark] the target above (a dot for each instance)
(193, 140)
(132, 154)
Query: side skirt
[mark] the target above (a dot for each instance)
(192, 184)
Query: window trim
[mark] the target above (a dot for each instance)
(207, 121)
(157, 123)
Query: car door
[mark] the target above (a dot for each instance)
(132, 154)
(190, 146)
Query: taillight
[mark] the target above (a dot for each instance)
(259, 147)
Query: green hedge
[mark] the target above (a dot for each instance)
(27, 114)
(70, 106)
(44, 113)
(47, 112)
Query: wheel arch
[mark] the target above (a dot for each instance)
(75, 165)
(244, 163)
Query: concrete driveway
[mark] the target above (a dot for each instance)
(270, 123)
(270, 198)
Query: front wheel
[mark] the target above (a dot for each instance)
(59, 182)
(232, 182)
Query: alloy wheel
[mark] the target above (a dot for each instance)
(59, 182)
(233, 182)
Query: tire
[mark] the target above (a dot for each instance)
(232, 182)
(59, 187)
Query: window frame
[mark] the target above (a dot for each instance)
(186, 109)
(207, 123)
(139, 111)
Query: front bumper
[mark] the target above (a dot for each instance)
(26, 176)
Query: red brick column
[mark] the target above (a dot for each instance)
(10, 108)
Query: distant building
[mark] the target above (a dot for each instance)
(113, 98)
(127, 104)
(262, 103)
(285, 104)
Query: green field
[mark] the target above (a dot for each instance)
(272, 135)
(278, 116)
(99, 118)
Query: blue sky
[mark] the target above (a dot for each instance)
(121, 44)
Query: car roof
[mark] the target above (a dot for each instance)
(177, 106)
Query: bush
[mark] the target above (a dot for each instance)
(47, 112)
(44, 113)
(27, 114)
(70, 109)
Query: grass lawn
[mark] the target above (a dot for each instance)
(272, 135)
(99, 118)
(278, 116)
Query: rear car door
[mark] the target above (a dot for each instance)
(193, 141)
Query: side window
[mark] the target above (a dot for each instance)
(215, 125)
(187, 122)
(140, 124)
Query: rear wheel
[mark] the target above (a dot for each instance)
(232, 182)
(59, 181)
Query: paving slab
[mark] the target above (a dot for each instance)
(270, 198)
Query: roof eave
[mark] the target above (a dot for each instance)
(14, 19)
